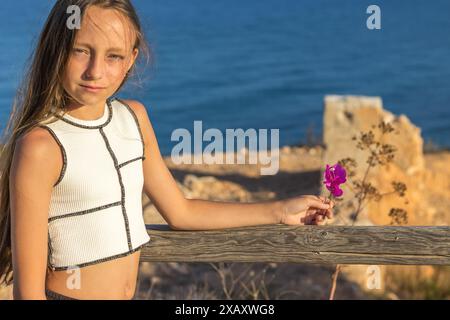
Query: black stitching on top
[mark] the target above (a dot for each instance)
(50, 251)
(63, 151)
(129, 161)
(137, 124)
(79, 213)
(122, 188)
(102, 259)
(110, 109)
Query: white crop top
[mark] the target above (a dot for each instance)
(95, 212)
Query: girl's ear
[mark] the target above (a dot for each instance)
(133, 57)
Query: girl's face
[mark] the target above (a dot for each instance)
(100, 58)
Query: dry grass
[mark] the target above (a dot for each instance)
(260, 281)
(236, 281)
(419, 282)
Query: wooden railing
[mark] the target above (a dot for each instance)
(401, 245)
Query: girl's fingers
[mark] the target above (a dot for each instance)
(326, 200)
(317, 217)
(318, 221)
(329, 214)
(310, 219)
(325, 213)
(318, 204)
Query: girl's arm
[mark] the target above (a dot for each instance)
(197, 214)
(34, 170)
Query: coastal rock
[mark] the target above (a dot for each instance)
(210, 188)
(348, 116)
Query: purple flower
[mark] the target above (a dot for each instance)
(334, 176)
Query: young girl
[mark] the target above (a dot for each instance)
(77, 159)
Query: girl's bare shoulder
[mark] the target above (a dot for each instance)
(138, 108)
(38, 147)
(37, 140)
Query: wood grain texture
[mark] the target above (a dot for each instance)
(382, 245)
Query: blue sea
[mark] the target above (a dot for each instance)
(268, 63)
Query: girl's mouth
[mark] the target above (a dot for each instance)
(91, 88)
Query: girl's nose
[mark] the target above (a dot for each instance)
(95, 68)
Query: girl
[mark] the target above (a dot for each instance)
(77, 159)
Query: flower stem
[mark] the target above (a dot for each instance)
(334, 280)
(338, 267)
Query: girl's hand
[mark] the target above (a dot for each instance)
(306, 210)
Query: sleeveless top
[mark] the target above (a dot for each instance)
(95, 211)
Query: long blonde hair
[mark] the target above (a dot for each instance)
(40, 91)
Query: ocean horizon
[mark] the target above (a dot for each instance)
(268, 64)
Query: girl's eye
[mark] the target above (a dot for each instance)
(116, 57)
(77, 50)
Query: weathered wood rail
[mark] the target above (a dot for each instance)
(402, 245)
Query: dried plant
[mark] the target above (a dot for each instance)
(379, 154)
(245, 284)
